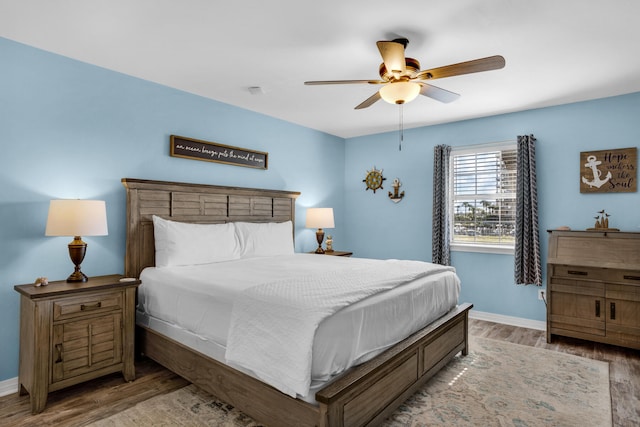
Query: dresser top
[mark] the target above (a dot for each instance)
(603, 231)
(605, 249)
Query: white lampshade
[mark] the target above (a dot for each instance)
(77, 218)
(320, 218)
(400, 92)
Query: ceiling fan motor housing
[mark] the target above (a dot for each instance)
(412, 66)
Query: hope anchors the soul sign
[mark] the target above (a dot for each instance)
(609, 171)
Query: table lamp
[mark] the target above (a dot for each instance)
(320, 218)
(77, 218)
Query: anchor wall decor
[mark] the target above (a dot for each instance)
(396, 195)
(609, 171)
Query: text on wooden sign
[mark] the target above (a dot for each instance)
(609, 171)
(189, 148)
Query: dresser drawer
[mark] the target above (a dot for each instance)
(624, 292)
(579, 272)
(629, 277)
(69, 308)
(559, 284)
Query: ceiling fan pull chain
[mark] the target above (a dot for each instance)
(401, 130)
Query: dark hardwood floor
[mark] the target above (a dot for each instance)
(97, 399)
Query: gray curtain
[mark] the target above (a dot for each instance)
(440, 241)
(527, 248)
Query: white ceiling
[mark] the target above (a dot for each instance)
(556, 51)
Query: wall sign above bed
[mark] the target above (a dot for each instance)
(195, 149)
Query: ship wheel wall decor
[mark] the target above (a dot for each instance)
(374, 179)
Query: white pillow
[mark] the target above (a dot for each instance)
(265, 239)
(182, 243)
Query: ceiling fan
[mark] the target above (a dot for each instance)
(403, 81)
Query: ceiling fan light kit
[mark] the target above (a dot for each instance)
(400, 92)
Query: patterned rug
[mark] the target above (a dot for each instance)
(497, 384)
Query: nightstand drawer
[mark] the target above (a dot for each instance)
(69, 308)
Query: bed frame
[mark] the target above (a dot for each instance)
(363, 396)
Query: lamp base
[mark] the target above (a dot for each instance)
(77, 276)
(320, 238)
(77, 250)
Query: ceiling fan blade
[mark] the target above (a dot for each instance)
(438, 93)
(344, 82)
(475, 66)
(369, 101)
(392, 53)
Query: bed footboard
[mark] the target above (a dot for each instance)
(363, 396)
(255, 398)
(370, 392)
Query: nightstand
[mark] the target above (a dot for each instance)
(336, 253)
(74, 332)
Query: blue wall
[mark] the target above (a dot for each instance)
(72, 130)
(378, 228)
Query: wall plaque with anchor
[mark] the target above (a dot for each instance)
(609, 171)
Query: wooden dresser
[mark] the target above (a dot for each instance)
(73, 332)
(593, 286)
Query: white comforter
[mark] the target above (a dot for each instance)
(193, 305)
(273, 324)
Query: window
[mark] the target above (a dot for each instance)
(483, 197)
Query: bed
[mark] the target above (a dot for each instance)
(364, 394)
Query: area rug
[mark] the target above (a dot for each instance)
(497, 384)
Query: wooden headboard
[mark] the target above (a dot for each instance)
(197, 203)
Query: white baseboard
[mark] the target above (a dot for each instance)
(9, 386)
(508, 320)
